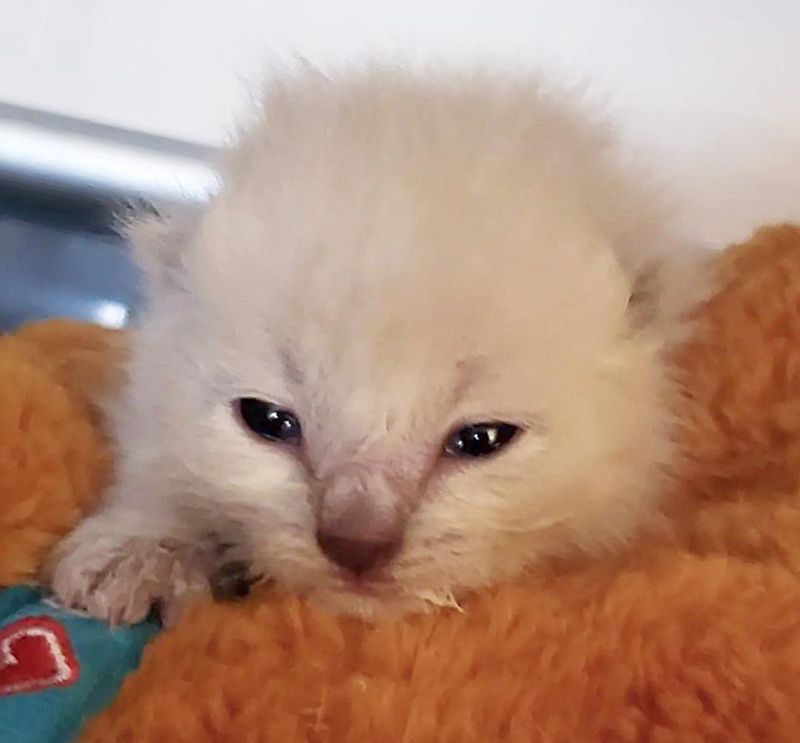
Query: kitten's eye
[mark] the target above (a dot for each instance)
(269, 421)
(479, 439)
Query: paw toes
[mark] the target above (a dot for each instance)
(122, 585)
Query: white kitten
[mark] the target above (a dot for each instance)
(441, 298)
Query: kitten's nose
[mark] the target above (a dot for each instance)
(356, 555)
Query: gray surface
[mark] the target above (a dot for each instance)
(52, 271)
(63, 183)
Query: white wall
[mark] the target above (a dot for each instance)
(709, 88)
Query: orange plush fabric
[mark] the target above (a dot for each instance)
(53, 456)
(693, 636)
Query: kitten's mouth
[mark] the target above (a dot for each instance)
(373, 586)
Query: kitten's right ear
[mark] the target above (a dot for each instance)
(159, 241)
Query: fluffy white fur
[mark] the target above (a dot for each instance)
(392, 254)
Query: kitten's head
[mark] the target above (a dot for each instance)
(405, 351)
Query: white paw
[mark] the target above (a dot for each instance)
(119, 580)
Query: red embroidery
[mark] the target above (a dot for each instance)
(35, 653)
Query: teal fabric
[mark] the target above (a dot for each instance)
(104, 655)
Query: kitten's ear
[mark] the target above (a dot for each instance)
(665, 291)
(645, 297)
(159, 241)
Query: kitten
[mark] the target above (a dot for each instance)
(414, 346)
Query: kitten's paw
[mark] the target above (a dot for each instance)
(121, 580)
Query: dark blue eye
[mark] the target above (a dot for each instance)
(269, 421)
(479, 439)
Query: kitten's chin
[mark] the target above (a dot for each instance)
(377, 603)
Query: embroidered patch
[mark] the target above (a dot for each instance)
(35, 653)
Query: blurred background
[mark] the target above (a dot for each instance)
(107, 101)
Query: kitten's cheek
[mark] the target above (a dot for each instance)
(245, 471)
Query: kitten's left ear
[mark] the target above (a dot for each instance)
(644, 297)
(665, 291)
(159, 240)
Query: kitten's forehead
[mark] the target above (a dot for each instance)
(395, 232)
(357, 338)
(407, 190)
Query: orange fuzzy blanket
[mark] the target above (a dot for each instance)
(694, 637)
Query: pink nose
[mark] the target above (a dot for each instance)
(356, 555)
